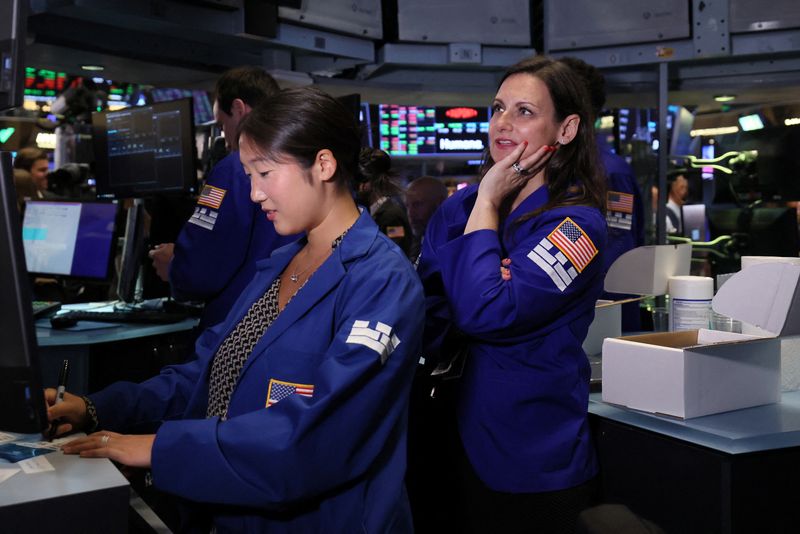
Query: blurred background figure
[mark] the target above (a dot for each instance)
(678, 193)
(423, 196)
(25, 187)
(35, 161)
(380, 194)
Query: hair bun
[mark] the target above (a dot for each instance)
(374, 162)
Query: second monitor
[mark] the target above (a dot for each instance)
(72, 239)
(140, 151)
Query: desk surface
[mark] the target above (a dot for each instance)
(73, 475)
(773, 426)
(51, 337)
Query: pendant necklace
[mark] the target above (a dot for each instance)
(295, 276)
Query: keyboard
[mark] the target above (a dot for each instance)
(43, 308)
(138, 316)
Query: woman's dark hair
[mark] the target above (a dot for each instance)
(573, 174)
(298, 123)
(375, 167)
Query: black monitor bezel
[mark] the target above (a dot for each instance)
(188, 185)
(20, 381)
(113, 245)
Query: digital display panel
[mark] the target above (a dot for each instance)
(432, 130)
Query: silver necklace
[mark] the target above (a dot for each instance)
(295, 276)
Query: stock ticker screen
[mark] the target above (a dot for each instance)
(432, 130)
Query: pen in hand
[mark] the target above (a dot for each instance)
(62, 386)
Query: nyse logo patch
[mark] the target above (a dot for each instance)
(381, 339)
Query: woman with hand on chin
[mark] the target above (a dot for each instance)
(292, 417)
(514, 266)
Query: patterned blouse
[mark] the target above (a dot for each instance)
(237, 347)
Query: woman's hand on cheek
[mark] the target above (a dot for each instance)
(511, 173)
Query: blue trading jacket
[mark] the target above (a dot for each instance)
(217, 250)
(625, 211)
(523, 397)
(331, 459)
(625, 219)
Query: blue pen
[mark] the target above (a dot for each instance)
(62, 386)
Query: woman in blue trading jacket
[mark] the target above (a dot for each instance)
(515, 265)
(292, 418)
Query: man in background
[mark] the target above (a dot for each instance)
(423, 196)
(35, 161)
(216, 252)
(678, 192)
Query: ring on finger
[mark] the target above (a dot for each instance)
(104, 440)
(517, 168)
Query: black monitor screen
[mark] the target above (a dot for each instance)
(201, 104)
(145, 150)
(433, 131)
(69, 238)
(21, 401)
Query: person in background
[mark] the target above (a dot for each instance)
(512, 269)
(380, 194)
(678, 193)
(35, 161)
(423, 196)
(216, 252)
(25, 188)
(292, 418)
(624, 206)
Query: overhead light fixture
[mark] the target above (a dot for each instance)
(751, 122)
(93, 68)
(722, 130)
(724, 98)
(792, 121)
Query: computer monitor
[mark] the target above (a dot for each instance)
(133, 251)
(141, 151)
(70, 239)
(13, 17)
(203, 111)
(694, 221)
(22, 406)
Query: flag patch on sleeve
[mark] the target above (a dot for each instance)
(279, 390)
(619, 210)
(381, 339)
(620, 202)
(564, 253)
(211, 196)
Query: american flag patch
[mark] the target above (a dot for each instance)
(621, 202)
(574, 243)
(211, 196)
(279, 390)
(395, 232)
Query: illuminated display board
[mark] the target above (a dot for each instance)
(429, 130)
(44, 83)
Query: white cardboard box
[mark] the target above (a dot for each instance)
(640, 271)
(701, 372)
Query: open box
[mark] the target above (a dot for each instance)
(640, 271)
(701, 372)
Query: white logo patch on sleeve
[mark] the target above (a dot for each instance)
(557, 266)
(204, 217)
(381, 339)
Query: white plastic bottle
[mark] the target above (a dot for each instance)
(690, 302)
